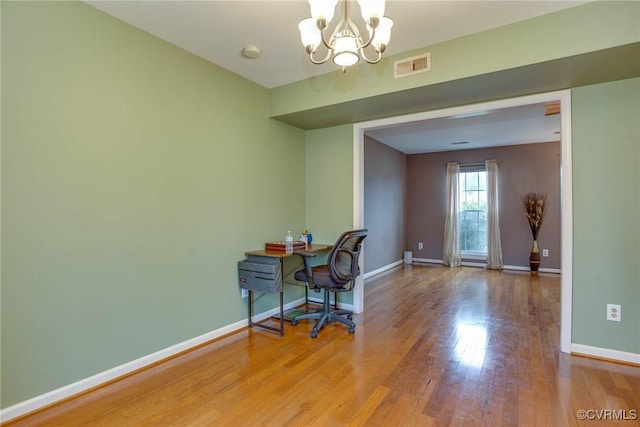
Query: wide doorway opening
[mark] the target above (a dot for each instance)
(561, 98)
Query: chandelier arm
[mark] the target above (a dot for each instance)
(326, 43)
(374, 61)
(362, 46)
(355, 30)
(322, 61)
(343, 24)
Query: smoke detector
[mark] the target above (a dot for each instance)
(251, 51)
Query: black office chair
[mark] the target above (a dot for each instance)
(337, 276)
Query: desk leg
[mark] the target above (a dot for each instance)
(282, 312)
(260, 325)
(250, 300)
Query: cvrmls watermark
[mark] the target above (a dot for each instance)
(607, 414)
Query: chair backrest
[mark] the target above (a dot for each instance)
(343, 259)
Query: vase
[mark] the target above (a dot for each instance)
(534, 258)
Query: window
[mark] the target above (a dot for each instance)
(473, 211)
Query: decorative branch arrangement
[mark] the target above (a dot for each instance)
(535, 205)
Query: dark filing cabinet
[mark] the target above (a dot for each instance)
(262, 274)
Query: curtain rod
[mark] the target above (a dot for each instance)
(473, 164)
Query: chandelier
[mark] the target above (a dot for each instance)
(345, 45)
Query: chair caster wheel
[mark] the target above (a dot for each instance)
(352, 331)
(293, 322)
(314, 334)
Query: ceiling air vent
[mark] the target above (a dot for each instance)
(414, 65)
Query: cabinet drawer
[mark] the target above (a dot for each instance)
(259, 276)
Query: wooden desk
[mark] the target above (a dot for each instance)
(314, 247)
(281, 256)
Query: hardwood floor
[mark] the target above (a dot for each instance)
(435, 346)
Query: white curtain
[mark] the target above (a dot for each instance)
(494, 247)
(451, 251)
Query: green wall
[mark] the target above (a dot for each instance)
(606, 213)
(134, 177)
(329, 182)
(329, 186)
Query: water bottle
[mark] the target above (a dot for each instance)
(288, 243)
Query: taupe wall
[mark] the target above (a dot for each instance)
(523, 168)
(384, 204)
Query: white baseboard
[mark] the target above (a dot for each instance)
(112, 374)
(428, 261)
(483, 265)
(541, 270)
(439, 261)
(605, 353)
(382, 269)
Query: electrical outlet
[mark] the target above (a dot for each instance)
(244, 292)
(420, 246)
(614, 312)
(545, 252)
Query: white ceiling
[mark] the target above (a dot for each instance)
(218, 31)
(507, 126)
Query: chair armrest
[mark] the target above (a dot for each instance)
(306, 258)
(304, 254)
